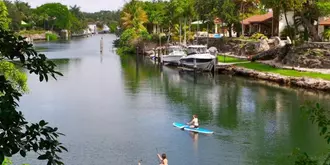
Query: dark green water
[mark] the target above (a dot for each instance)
(115, 112)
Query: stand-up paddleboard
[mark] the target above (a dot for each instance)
(186, 127)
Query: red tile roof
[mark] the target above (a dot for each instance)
(258, 18)
(325, 22)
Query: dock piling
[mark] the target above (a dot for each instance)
(215, 63)
(101, 45)
(155, 55)
(159, 51)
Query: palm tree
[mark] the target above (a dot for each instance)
(134, 16)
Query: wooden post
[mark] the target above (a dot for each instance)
(215, 63)
(207, 39)
(143, 49)
(166, 53)
(195, 66)
(101, 45)
(137, 59)
(161, 59)
(159, 51)
(155, 55)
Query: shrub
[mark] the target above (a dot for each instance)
(326, 34)
(257, 36)
(51, 36)
(288, 31)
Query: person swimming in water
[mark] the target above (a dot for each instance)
(194, 122)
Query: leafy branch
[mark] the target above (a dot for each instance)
(16, 134)
(320, 116)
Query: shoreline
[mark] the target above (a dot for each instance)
(302, 82)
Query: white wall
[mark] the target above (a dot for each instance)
(282, 21)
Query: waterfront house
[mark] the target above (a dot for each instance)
(258, 24)
(92, 28)
(270, 26)
(324, 24)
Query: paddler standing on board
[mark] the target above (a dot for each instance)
(194, 122)
(163, 159)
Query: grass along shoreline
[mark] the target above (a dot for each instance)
(229, 59)
(284, 72)
(270, 69)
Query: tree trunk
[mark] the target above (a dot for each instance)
(158, 28)
(180, 29)
(169, 34)
(154, 28)
(185, 31)
(287, 22)
(189, 24)
(275, 22)
(311, 28)
(230, 30)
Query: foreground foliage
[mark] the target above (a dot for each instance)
(321, 117)
(16, 134)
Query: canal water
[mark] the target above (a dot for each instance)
(114, 111)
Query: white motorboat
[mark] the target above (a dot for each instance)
(175, 53)
(198, 57)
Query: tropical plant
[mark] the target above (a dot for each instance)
(4, 19)
(321, 117)
(58, 15)
(17, 135)
(326, 34)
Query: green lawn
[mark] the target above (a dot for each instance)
(284, 72)
(228, 59)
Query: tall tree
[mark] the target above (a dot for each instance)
(58, 15)
(77, 19)
(134, 16)
(156, 14)
(4, 19)
(229, 14)
(18, 12)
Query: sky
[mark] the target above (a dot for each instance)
(86, 5)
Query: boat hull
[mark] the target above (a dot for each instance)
(172, 59)
(204, 64)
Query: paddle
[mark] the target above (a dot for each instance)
(157, 154)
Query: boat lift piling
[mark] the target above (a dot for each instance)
(215, 63)
(158, 55)
(195, 66)
(137, 58)
(101, 45)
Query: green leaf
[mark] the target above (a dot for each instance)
(42, 123)
(43, 157)
(35, 147)
(2, 157)
(64, 148)
(41, 78)
(23, 153)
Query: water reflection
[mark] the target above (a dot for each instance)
(264, 120)
(117, 111)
